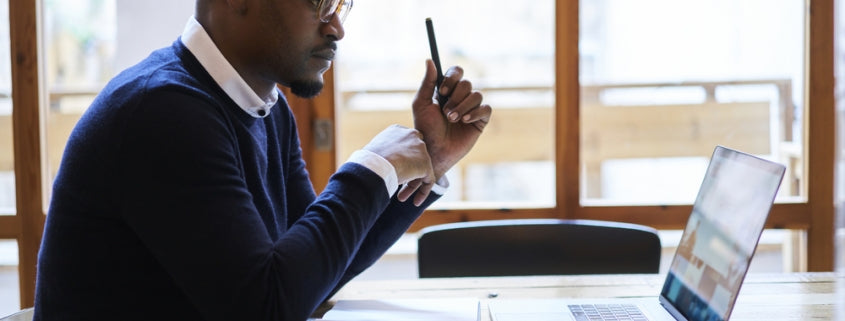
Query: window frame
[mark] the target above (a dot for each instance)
(27, 130)
(815, 215)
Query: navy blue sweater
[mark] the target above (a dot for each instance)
(172, 203)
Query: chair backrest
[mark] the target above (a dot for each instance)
(537, 247)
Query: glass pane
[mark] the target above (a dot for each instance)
(10, 292)
(87, 42)
(665, 81)
(839, 234)
(379, 69)
(7, 170)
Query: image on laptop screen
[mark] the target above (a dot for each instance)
(721, 235)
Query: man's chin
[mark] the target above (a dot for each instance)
(306, 89)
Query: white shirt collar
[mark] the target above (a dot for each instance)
(199, 43)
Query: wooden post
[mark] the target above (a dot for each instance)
(26, 124)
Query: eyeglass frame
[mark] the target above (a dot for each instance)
(318, 8)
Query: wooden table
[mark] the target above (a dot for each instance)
(791, 296)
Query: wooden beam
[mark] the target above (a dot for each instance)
(820, 142)
(325, 157)
(26, 123)
(310, 114)
(671, 217)
(10, 227)
(567, 101)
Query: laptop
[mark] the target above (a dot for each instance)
(710, 263)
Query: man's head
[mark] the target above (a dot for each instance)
(276, 41)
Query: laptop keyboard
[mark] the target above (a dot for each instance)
(618, 312)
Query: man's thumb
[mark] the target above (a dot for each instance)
(427, 87)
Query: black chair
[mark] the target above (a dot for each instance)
(537, 247)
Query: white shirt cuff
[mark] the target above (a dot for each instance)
(441, 186)
(385, 169)
(380, 166)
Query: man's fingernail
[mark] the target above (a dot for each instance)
(453, 116)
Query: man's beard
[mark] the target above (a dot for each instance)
(306, 89)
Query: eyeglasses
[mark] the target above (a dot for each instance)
(326, 9)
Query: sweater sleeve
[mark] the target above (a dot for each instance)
(394, 222)
(179, 165)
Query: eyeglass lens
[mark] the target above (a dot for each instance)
(329, 7)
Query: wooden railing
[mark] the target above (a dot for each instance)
(762, 127)
(526, 133)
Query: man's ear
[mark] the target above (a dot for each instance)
(238, 6)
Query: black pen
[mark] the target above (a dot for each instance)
(435, 56)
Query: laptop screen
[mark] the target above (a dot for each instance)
(721, 235)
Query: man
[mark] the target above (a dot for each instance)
(183, 194)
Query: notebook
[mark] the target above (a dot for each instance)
(712, 258)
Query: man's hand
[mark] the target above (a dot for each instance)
(451, 132)
(405, 150)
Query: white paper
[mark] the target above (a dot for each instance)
(461, 309)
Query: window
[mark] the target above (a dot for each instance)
(9, 280)
(528, 24)
(79, 38)
(10, 293)
(839, 39)
(506, 49)
(664, 81)
(7, 170)
(758, 59)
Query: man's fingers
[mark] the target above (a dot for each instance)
(422, 193)
(421, 186)
(458, 110)
(451, 79)
(408, 189)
